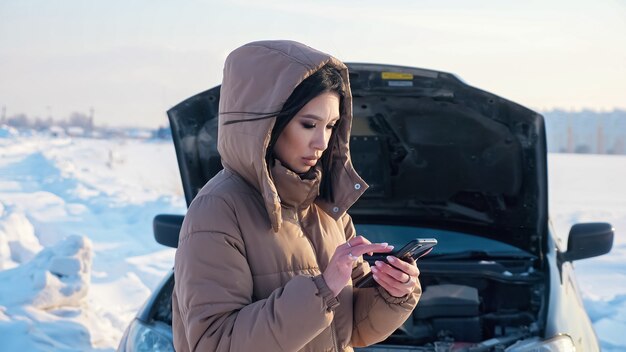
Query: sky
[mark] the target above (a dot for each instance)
(131, 60)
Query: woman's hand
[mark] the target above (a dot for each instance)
(398, 277)
(339, 269)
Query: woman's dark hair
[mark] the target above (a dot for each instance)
(326, 79)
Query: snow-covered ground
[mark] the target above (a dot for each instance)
(89, 205)
(77, 257)
(592, 188)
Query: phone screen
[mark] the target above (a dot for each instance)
(413, 250)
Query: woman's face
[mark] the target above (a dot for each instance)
(306, 136)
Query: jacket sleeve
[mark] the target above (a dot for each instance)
(213, 285)
(377, 314)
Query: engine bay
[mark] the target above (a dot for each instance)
(465, 312)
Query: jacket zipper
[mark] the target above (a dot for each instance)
(332, 324)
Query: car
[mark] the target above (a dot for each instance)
(444, 160)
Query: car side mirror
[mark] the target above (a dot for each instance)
(588, 240)
(166, 228)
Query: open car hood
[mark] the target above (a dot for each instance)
(435, 152)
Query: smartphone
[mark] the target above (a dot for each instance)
(413, 250)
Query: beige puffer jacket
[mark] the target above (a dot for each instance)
(254, 242)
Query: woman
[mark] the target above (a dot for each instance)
(267, 253)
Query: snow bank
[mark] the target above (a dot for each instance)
(57, 293)
(41, 299)
(57, 276)
(609, 321)
(18, 242)
(7, 131)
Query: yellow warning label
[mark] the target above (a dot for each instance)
(397, 75)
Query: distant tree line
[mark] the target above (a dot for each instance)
(22, 121)
(586, 131)
(79, 124)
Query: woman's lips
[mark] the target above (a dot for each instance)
(310, 161)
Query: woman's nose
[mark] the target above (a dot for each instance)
(320, 140)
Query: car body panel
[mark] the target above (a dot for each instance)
(566, 312)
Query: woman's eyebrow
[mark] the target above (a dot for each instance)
(315, 117)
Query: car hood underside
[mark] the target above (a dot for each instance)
(434, 151)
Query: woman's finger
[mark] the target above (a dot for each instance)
(397, 274)
(390, 284)
(409, 268)
(366, 248)
(358, 240)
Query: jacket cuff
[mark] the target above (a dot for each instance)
(324, 291)
(392, 299)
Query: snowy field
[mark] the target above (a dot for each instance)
(77, 256)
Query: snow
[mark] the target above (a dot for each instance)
(58, 276)
(7, 131)
(592, 188)
(77, 256)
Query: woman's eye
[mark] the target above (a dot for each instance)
(308, 126)
(330, 127)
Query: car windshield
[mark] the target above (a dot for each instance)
(449, 242)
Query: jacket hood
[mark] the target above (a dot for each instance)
(258, 79)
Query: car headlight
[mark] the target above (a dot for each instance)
(560, 343)
(154, 337)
